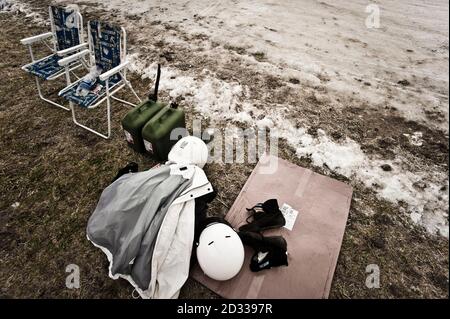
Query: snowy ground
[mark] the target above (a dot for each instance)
(320, 41)
(324, 46)
(367, 105)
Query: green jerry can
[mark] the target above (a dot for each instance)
(157, 132)
(135, 119)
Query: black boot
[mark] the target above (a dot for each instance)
(269, 251)
(130, 168)
(265, 216)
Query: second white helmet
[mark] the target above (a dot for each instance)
(220, 252)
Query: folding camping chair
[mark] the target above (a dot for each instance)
(67, 35)
(107, 50)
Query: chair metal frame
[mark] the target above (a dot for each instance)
(62, 53)
(110, 91)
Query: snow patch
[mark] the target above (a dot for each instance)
(243, 117)
(211, 97)
(415, 139)
(265, 123)
(18, 7)
(416, 217)
(427, 207)
(219, 100)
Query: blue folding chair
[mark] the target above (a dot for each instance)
(107, 50)
(67, 37)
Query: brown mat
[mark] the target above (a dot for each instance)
(314, 243)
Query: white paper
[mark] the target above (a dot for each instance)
(290, 215)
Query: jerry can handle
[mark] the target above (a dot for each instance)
(165, 115)
(154, 96)
(143, 107)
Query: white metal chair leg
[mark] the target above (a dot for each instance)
(90, 129)
(127, 83)
(47, 100)
(123, 101)
(108, 114)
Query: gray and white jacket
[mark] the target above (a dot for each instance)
(144, 223)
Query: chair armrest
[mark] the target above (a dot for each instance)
(73, 57)
(113, 71)
(36, 38)
(71, 49)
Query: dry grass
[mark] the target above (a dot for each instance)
(56, 172)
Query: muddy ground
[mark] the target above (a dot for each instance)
(53, 172)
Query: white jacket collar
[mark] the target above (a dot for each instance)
(200, 185)
(187, 171)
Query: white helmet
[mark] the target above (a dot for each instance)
(220, 252)
(189, 150)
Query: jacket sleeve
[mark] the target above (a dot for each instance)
(172, 266)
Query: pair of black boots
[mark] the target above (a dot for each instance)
(269, 251)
